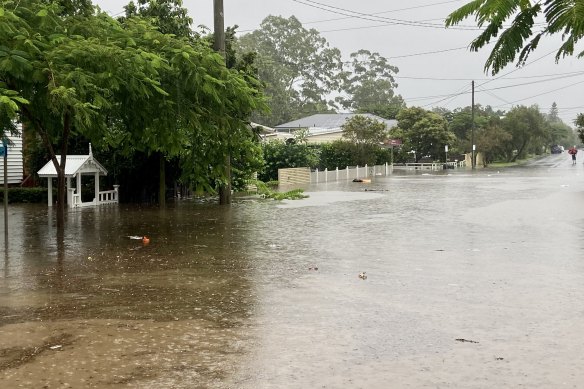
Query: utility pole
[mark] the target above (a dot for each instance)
(472, 126)
(219, 46)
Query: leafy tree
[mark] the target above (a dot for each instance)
(461, 119)
(361, 129)
(563, 17)
(560, 134)
(169, 16)
(424, 132)
(127, 87)
(528, 131)
(492, 141)
(342, 153)
(297, 66)
(61, 61)
(553, 116)
(369, 85)
(444, 112)
(279, 154)
(579, 122)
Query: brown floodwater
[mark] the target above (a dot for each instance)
(471, 280)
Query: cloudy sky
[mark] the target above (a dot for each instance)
(435, 66)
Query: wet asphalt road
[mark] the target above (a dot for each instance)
(474, 280)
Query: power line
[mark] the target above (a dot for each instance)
(450, 96)
(483, 79)
(493, 95)
(388, 21)
(535, 82)
(503, 75)
(519, 68)
(545, 93)
(386, 12)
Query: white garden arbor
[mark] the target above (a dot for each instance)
(75, 167)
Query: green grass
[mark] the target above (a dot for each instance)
(519, 162)
(265, 190)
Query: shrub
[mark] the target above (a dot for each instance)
(25, 195)
(280, 155)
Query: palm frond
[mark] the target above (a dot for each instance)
(464, 12)
(531, 46)
(511, 41)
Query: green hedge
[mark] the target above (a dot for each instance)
(25, 195)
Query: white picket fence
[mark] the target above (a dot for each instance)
(429, 165)
(350, 173)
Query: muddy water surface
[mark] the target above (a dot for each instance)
(474, 280)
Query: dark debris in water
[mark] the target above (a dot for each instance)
(465, 340)
(14, 357)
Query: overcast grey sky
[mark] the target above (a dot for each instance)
(435, 68)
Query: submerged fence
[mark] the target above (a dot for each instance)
(350, 173)
(304, 175)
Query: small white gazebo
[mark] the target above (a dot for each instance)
(76, 166)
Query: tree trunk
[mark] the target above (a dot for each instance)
(225, 189)
(61, 181)
(162, 182)
(519, 151)
(59, 166)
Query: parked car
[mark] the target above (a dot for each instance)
(557, 149)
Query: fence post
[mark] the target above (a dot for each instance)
(337, 173)
(357, 167)
(366, 171)
(347, 169)
(326, 174)
(317, 175)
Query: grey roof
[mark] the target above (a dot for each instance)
(327, 122)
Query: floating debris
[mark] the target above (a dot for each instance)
(466, 340)
(110, 289)
(313, 268)
(363, 275)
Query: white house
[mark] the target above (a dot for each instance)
(326, 127)
(14, 161)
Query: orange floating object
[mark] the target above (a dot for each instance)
(145, 240)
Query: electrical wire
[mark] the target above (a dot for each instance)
(386, 12)
(388, 21)
(545, 93)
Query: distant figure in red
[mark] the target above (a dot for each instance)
(573, 151)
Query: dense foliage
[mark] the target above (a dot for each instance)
(25, 195)
(522, 36)
(279, 154)
(124, 85)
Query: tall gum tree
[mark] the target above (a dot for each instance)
(369, 85)
(297, 66)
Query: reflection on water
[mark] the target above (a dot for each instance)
(229, 297)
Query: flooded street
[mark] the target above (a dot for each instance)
(472, 280)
